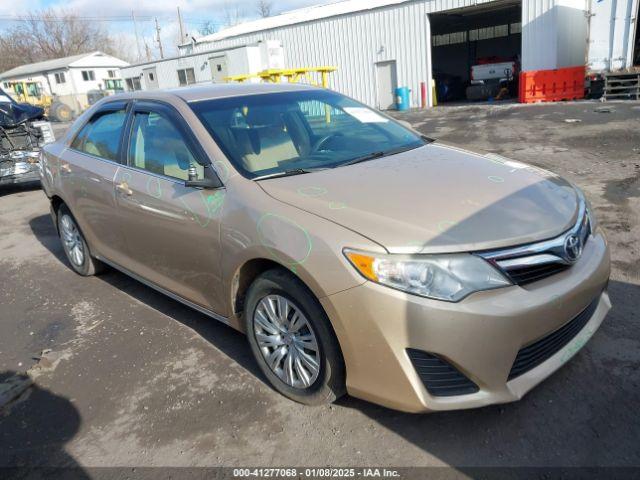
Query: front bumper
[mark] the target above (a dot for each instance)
(24, 172)
(480, 336)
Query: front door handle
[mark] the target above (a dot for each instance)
(124, 188)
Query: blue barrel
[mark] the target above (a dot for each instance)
(402, 98)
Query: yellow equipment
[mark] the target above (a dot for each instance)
(33, 94)
(292, 75)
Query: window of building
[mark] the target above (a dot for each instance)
(158, 146)
(101, 136)
(111, 73)
(88, 75)
(133, 84)
(60, 78)
(186, 76)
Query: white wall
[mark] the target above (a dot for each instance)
(241, 60)
(554, 34)
(611, 33)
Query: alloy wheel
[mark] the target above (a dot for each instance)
(287, 341)
(72, 241)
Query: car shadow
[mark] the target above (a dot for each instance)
(35, 426)
(11, 189)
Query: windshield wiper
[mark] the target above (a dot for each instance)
(363, 158)
(374, 155)
(290, 172)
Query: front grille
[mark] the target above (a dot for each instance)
(440, 378)
(532, 262)
(533, 273)
(541, 350)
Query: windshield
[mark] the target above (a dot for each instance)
(273, 133)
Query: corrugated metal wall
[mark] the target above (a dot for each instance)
(611, 34)
(356, 42)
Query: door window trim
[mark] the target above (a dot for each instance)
(154, 106)
(108, 107)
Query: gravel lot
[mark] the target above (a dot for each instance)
(131, 378)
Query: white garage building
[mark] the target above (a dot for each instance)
(380, 44)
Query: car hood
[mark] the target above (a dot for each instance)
(436, 199)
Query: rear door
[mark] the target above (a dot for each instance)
(87, 169)
(172, 231)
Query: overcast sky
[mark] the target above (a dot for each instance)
(116, 15)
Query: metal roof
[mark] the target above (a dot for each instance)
(302, 15)
(47, 65)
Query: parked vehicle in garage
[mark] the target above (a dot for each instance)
(23, 132)
(356, 254)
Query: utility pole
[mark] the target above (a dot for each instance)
(180, 24)
(147, 50)
(159, 40)
(135, 28)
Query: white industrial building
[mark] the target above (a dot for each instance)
(204, 67)
(378, 45)
(70, 79)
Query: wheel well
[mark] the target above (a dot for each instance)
(245, 277)
(56, 202)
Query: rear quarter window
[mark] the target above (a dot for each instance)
(100, 137)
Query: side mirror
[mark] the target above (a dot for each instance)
(205, 183)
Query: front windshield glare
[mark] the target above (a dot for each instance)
(277, 132)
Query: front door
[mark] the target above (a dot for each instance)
(387, 80)
(172, 231)
(150, 78)
(218, 67)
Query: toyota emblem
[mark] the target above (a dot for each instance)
(572, 247)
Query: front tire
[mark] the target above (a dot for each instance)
(292, 340)
(75, 246)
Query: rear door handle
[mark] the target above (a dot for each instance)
(65, 168)
(123, 187)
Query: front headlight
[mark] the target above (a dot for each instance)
(449, 277)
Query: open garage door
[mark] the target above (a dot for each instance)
(475, 51)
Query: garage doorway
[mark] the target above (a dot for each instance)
(218, 67)
(387, 81)
(476, 51)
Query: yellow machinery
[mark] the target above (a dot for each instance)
(33, 94)
(292, 75)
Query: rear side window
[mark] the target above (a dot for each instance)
(101, 135)
(158, 146)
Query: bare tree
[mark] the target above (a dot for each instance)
(207, 28)
(264, 8)
(51, 34)
(232, 15)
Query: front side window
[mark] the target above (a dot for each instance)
(275, 133)
(158, 146)
(88, 75)
(186, 76)
(101, 135)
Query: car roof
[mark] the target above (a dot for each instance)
(212, 91)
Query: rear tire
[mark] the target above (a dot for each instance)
(75, 246)
(295, 348)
